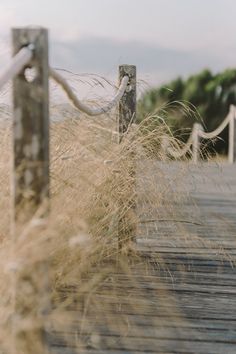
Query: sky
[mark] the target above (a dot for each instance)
(164, 38)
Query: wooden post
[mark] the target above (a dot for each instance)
(127, 116)
(31, 189)
(127, 105)
(196, 142)
(232, 136)
(31, 127)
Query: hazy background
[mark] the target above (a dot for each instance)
(164, 38)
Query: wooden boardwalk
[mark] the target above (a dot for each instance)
(180, 296)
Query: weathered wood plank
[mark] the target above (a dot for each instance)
(143, 321)
(158, 346)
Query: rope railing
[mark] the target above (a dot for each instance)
(82, 106)
(198, 133)
(217, 131)
(31, 113)
(177, 154)
(25, 55)
(16, 64)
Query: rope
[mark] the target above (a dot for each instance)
(178, 154)
(24, 56)
(199, 132)
(217, 131)
(16, 65)
(83, 107)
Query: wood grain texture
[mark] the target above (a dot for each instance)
(31, 186)
(127, 104)
(31, 126)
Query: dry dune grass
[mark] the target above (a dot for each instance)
(93, 195)
(77, 251)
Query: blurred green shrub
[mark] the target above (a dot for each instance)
(204, 97)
